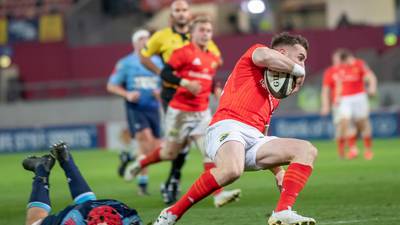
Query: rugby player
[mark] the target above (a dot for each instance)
(235, 139)
(86, 208)
(140, 89)
(346, 82)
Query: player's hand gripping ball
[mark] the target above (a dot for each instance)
(279, 84)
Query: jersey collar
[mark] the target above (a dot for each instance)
(183, 36)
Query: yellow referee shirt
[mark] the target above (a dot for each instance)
(165, 41)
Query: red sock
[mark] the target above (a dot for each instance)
(368, 142)
(151, 158)
(352, 141)
(201, 188)
(208, 166)
(340, 146)
(294, 180)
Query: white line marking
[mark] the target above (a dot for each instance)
(359, 221)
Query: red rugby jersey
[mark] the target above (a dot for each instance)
(191, 63)
(350, 78)
(245, 96)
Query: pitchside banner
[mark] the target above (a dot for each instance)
(384, 125)
(34, 139)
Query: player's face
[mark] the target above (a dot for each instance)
(180, 13)
(140, 43)
(202, 34)
(297, 53)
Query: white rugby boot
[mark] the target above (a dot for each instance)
(166, 218)
(132, 170)
(289, 217)
(226, 197)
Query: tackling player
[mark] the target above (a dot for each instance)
(139, 87)
(346, 83)
(86, 208)
(188, 114)
(163, 43)
(235, 139)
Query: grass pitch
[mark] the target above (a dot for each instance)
(338, 192)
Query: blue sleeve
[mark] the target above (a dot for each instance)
(157, 61)
(118, 76)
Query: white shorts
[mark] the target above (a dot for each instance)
(179, 125)
(352, 107)
(232, 130)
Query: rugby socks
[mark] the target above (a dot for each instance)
(202, 187)
(341, 142)
(142, 181)
(352, 141)
(40, 190)
(368, 143)
(177, 164)
(368, 154)
(208, 166)
(294, 180)
(80, 190)
(151, 158)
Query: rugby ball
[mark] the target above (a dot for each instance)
(279, 84)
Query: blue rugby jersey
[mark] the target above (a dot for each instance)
(132, 75)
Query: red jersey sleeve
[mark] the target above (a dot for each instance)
(178, 59)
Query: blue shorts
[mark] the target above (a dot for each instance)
(139, 119)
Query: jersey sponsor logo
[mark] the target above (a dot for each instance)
(223, 136)
(205, 76)
(145, 82)
(196, 61)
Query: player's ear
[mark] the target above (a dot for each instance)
(282, 50)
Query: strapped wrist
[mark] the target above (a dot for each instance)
(298, 70)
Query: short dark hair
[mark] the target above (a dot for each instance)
(285, 38)
(343, 53)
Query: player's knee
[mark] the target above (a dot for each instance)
(232, 174)
(166, 154)
(310, 150)
(313, 151)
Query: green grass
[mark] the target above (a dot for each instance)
(339, 192)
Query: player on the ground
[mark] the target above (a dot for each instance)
(163, 43)
(188, 114)
(235, 139)
(86, 208)
(345, 83)
(140, 89)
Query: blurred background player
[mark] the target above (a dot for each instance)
(140, 89)
(330, 95)
(86, 208)
(188, 114)
(345, 84)
(235, 137)
(163, 43)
